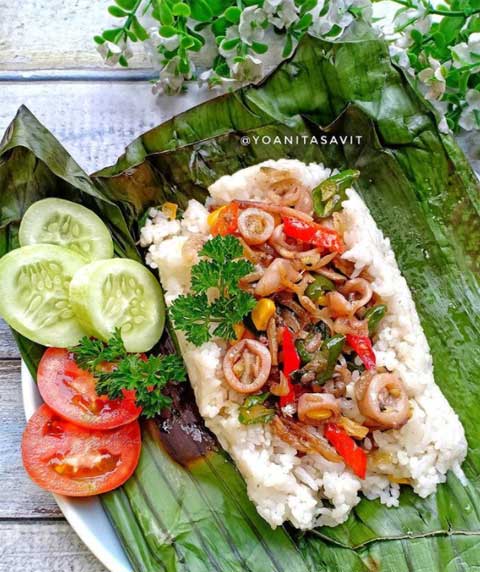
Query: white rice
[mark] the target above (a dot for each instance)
(283, 486)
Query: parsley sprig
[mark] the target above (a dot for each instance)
(220, 270)
(146, 376)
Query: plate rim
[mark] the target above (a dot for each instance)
(115, 560)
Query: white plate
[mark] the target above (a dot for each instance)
(86, 516)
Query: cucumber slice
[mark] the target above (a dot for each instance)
(61, 222)
(34, 293)
(119, 293)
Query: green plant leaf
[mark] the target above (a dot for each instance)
(126, 4)
(117, 12)
(162, 12)
(140, 32)
(181, 9)
(168, 31)
(232, 14)
(259, 48)
(200, 10)
(113, 34)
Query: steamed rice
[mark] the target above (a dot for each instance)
(309, 490)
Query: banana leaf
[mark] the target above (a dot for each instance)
(419, 188)
(194, 515)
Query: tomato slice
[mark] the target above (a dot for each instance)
(70, 392)
(69, 460)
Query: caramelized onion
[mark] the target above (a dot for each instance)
(298, 436)
(316, 408)
(246, 366)
(382, 399)
(255, 225)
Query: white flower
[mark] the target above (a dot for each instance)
(441, 107)
(281, 13)
(249, 69)
(434, 78)
(111, 52)
(213, 80)
(171, 79)
(412, 19)
(400, 57)
(169, 44)
(337, 15)
(470, 117)
(250, 26)
(464, 53)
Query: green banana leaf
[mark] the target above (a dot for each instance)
(196, 516)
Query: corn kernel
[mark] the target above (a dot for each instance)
(262, 313)
(213, 216)
(170, 210)
(239, 330)
(320, 415)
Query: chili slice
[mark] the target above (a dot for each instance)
(353, 455)
(313, 233)
(362, 345)
(291, 362)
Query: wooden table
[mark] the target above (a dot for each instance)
(48, 62)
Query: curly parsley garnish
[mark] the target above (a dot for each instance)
(146, 376)
(221, 269)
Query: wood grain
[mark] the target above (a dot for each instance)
(55, 34)
(51, 547)
(19, 497)
(8, 348)
(94, 120)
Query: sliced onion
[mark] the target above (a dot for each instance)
(255, 225)
(242, 356)
(382, 399)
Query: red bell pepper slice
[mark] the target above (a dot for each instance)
(353, 455)
(313, 233)
(362, 345)
(291, 362)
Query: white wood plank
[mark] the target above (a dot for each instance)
(44, 547)
(8, 348)
(94, 120)
(55, 34)
(19, 496)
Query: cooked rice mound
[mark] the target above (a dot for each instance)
(308, 490)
